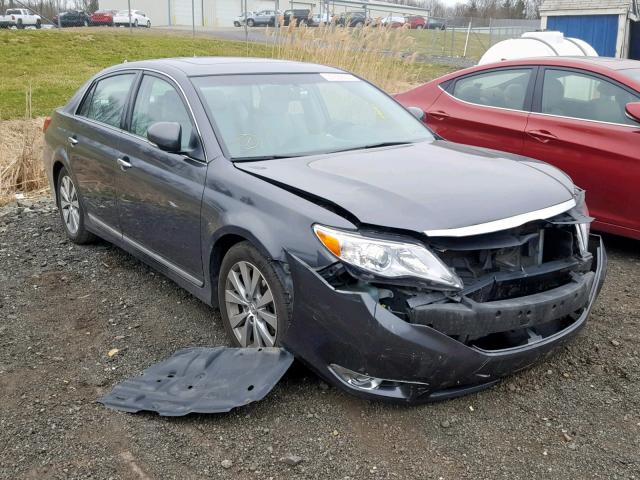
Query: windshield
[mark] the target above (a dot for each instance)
(633, 73)
(280, 115)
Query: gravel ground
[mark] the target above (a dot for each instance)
(63, 307)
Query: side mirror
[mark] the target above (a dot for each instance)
(416, 112)
(633, 110)
(166, 135)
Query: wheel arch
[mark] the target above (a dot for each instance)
(222, 242)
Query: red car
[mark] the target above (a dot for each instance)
(415, 21)
(579, 114)
(103, 17)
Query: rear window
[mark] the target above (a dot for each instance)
(14, 12)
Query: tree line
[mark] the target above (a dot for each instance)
(478, 8)
(49, 8)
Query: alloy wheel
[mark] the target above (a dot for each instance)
(69, 205)
(251, 309)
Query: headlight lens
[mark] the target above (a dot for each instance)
(386, 258)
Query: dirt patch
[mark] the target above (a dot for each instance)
(63, 307)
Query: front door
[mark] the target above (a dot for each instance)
(580, 126)
(160, 193)
(486, 109)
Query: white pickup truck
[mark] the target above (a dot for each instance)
(20, 18)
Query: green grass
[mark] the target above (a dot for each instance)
(450, 42)
(54, 64)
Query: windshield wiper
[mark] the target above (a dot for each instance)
(372, 145)
(262, 157)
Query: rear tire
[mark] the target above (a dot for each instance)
(85, 23)
(71, 210)
(419, 27)
(38, 25)
(135, 23)
(20, 25)
(148, 23)
(249, 319)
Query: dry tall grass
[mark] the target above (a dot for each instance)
(375, 53)
(21, 143)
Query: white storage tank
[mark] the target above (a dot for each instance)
(537, 44)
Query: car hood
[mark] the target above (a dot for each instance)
(425, 186)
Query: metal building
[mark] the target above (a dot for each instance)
(221, 13)
(610, 26)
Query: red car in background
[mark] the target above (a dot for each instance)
(103, 17)
(415, 22)
(580, 114)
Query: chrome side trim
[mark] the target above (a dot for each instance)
(635, 127)
(150, 253)
(505, 223)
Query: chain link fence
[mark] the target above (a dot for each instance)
(461, 41)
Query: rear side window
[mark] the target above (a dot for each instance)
(107, 99)
(572, 94)
(497, 88)
(158, 101)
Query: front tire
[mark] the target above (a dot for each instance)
(135, 23)
(250, 22)
(148, 23)
(20, 25)
(38, 25)
(71, 211)
(254, 305)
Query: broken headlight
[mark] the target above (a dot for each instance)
(583, 228)
(386, 258)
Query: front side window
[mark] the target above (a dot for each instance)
(498, 88)
(159, 101)
(572, 94)
(264, 116)
(107, 99)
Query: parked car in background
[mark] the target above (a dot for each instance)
(20, 18)
(415, 21)
(317, 19)
(73, 18)
(240, 19)
(351, 19)
(392, 21)
(581, 114)
(296, 17)
(137, 19)
(319, 215)
(263, 18)
(436, 24)
(102, 17)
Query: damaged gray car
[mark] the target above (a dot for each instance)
(322, 217)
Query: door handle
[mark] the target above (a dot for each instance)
(542, 135)
(72, 141)
(439, 115)
(124, 163)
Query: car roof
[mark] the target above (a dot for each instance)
(601, 62)
(202, 66)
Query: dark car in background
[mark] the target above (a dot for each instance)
(296, 17)
(72, 18)
(581, 114)
(351, 19)
(321, 216)
(102, 18)
(436, 24)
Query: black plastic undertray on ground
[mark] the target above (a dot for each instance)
(202, 380)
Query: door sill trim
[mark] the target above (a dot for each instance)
(150, 253)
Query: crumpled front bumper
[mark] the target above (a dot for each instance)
(418, 363)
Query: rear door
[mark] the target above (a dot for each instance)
(160, 193)
(487, 109)
(579, 125)
(93, 138)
